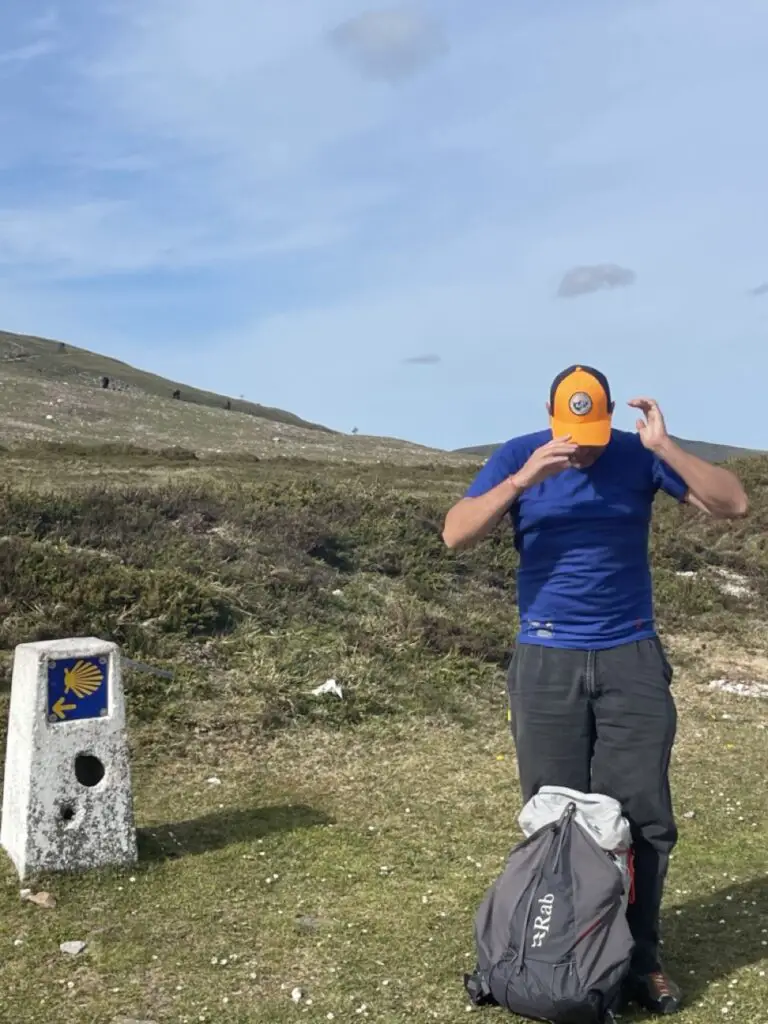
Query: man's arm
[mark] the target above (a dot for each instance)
(712, 489)
(472, 519)
(498, 485)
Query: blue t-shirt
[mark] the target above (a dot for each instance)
(584, 579)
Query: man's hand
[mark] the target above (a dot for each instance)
(653, 429)
(552, 458)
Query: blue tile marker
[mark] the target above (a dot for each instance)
(78, 688)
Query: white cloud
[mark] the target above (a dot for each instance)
(220, 132)
(249, 87)
(28, 52)
(584, 280)
(93, 238)
(391, 44)
(46, 22)
(428, 359)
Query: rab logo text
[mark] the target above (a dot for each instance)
(543, 921)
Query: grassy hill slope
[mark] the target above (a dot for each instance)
(54, 397)
(341, 846)
(24, 355)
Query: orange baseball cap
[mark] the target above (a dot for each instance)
(580, 405)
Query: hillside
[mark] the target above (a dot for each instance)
(23, 355)
(55, 397)
(704, 449)
(339, 846)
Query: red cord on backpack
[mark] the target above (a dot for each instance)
(631, 867)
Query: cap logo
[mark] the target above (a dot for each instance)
(580, 404)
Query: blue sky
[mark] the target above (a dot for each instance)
(300, 201)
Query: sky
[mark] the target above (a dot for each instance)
(404, 219)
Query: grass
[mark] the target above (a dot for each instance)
(347, 843)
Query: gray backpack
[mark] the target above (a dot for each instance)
(553, 943)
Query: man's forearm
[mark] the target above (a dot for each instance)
(717, 488)
(471, 519)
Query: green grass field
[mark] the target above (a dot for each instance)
(341, 846)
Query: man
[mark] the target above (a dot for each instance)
(589, 683)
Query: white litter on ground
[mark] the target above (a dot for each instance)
(726, 580)
(329, 687)
(733, 583)
(748, 689)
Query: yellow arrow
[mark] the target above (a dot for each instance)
(60, 708)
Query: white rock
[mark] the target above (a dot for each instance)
(744, 689)
(213, 781)
(42, 899)
(733, 583)
(297, 995)
(72, 948)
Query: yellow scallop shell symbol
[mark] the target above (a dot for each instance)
(83, 679)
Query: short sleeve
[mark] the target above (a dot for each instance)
(502, 463)
(666, 479)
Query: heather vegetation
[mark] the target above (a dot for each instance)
(346, 841)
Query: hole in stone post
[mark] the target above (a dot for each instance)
(66, 812)
(89, 771)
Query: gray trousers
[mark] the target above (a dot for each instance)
(604, 722)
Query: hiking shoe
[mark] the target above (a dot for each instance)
(655, 992)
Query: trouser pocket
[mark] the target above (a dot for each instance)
(666, 666)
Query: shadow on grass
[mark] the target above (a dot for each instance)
(696, 940)
(221, 829)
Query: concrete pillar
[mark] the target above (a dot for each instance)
(67, 801)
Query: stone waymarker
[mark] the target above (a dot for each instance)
(67, 802)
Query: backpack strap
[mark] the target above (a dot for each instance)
(631, 866)
(565, 819)
(477, 988)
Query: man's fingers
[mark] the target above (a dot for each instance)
(553, 458)
(643, 403)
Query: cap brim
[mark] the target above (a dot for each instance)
(588, 434)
